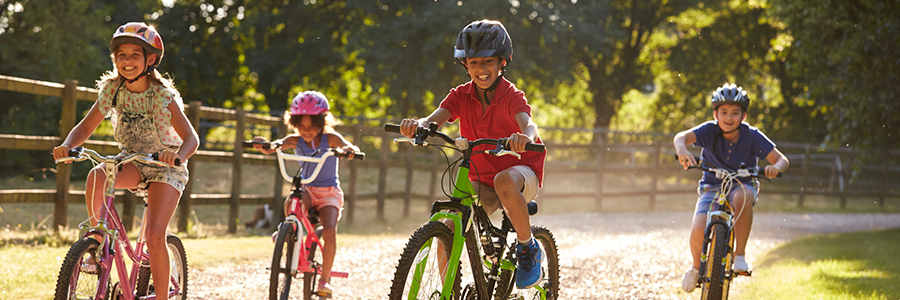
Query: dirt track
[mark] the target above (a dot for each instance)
(602, 256)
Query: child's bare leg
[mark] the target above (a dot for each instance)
(509, 184)
(696, 242)
(95, 185)
(743, 211)
(329, 217)
(161, 204)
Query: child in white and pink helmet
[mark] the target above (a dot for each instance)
(147, 114)
(313, 127)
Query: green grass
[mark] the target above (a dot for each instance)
(861, 265)
(30, 272)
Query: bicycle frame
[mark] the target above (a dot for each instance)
(721, 213)
(460, 209)
(298, 217)
(109, 226)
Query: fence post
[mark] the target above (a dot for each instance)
(654, 181)
(803, 188)
(277, 204)
(884, 178)
(600, 139)
(382, 175)
(432, 186)
(64, 171)
(236, 167)
(350, 199)
(128, 210)
(407, 195)
(184, 205)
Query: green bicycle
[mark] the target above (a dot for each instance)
(430, 266)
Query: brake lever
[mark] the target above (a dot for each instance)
(409, 140)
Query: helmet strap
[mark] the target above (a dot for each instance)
(491, 89)
(145, 73)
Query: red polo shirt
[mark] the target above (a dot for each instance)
(498, 121)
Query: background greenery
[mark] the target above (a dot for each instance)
(817, 72)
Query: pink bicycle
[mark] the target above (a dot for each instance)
(295, 249)
(78, 282)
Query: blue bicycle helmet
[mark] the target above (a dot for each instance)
(730, 94)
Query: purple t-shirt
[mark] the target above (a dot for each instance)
(751, 145)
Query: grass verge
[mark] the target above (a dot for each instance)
(846, 266)
(30, 272)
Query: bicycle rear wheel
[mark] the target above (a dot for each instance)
(716, 287)
(75, 283)
(419, 271)
(280, 278)
(549, 263)
(177, 270)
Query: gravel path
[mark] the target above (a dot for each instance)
(602, 256)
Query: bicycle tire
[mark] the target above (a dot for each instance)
(714, 288)
(280, 272)
(84, 285)
(550, 263)
(177, 269)
(413, 253)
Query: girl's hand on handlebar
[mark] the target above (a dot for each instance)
(61, 151)
(772, 171)
(350, 150)
(169, 157)
(517, 142)
(261, 147)
(408, 127)
(686, 160)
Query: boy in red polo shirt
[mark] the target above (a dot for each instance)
(489, 106)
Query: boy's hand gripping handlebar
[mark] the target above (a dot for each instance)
(423, 133)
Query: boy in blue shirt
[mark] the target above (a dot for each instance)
(727, 142)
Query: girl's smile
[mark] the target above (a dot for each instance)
(307, 130)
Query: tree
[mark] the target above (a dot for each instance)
(603, 43)
(842, 61)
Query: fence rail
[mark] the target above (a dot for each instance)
(646, 159)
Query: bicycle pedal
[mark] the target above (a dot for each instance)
(322, 295)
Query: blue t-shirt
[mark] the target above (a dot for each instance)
(328, 175)
(751, 145)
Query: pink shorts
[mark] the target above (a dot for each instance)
(326, 196)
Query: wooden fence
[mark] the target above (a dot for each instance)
(619, 154)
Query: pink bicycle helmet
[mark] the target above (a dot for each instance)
(309, 103)
(139, 33)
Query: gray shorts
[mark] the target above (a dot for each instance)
(488, 196)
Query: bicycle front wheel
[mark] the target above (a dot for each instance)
(280, 278)
(549, 288)
(716, 288)
(74, 282)
(420, 272)
(177, 271)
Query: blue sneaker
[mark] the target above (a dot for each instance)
(529, 271)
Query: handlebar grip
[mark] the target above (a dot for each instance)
(392, 128)
(356, 155)
(155, 156)
(535, 147)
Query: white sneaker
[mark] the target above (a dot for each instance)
(740, 264)
(690, 280)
